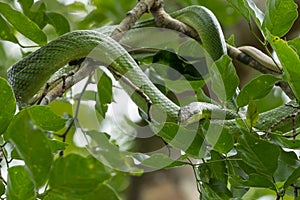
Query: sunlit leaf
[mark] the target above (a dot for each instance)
(250, 91)
(23, 24)
(19, 184)
(45, 118)
(290, 62)
(7, 32)
(295, 44)
(32, 146)
(224, 78)
(280, 16)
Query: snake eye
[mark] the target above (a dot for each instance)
(275, 39)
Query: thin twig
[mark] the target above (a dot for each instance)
(143, 6)
(58, 90)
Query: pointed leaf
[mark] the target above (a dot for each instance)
(239, 5)
(292, 178)
(252, 114)
(7, 32)
(217, 168)
(295, 44)
(287, 164)
(224, 78)
(216, 190)
(59, 22)
(188, 140)
(8, 107)
(110, 154)
(159, 161)
(32, 146)
(250, 91)
(219, 137)
(280, 16)
(257, 180)
(46, 119)
(255, 12)
(259, 154)
(19, 184)
(290, 62)
(104, 93)
(76, 175)
(23, 24)
(26, 4)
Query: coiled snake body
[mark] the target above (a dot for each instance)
(31, 73)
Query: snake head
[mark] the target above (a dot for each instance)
(197, 111)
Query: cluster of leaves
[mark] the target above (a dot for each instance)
(239, 162)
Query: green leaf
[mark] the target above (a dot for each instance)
(295, 44)
(159, 161)
(8, 105)
(285, 142)
(255, 12)
(23, 24)
(219, 137)
(216, 190)
(217, 167)
(2, 188)
(241, 174)
(290, 62)
(45, 118)
(292, 178)
(280, 16)
(258, 180)
(7, 32)
(104, 93)
(287, 164)
(224, 78)
(19, 184)
(26, 4)
(37, 14)
(103, 150)
(59, 22)
(239, 6)
(57, 146)
(32, 146)
(252, 114)
(250, 91)
(99, 192)
(76, 175)
(103, 192)
(188, 140)
(259, 154)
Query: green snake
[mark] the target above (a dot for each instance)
(31, 73)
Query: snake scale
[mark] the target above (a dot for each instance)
(29, 75)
